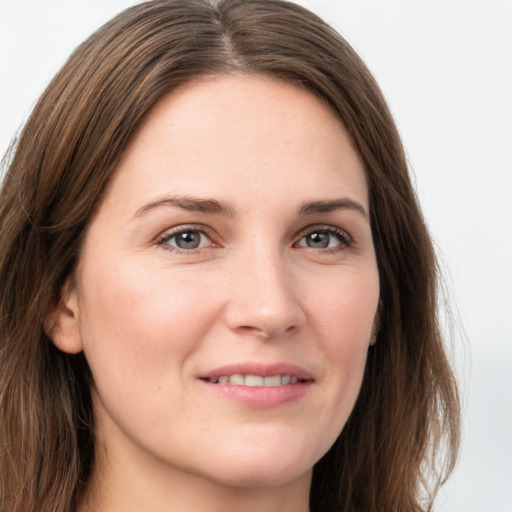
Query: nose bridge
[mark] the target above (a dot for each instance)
(264, 298)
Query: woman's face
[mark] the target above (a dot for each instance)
(227, 288)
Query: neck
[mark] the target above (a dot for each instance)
(119, 485)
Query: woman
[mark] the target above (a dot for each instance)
(218, 291)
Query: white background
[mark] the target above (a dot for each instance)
(446, 69)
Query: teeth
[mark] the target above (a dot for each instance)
(237, 379)
(255, 380)
(272, 381)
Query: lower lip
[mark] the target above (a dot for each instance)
(261, 397)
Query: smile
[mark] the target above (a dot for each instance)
(267, 391)
(238, 379)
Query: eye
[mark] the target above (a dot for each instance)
(185, 239)
(325, 238)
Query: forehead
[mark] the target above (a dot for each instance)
(240, 134)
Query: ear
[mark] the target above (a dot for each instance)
(376, 325)
(62, 320)
(373, 336)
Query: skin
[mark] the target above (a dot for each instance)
(153, 318)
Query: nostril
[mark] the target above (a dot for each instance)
(267, 332)
(257, 331)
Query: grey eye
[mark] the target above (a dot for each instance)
(325, 239)
(318, 240)
(188, 240)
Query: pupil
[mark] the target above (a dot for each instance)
(319, 240)
(188, 240)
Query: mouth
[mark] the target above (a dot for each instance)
(258, 385)
(239, 379)
(252, 374)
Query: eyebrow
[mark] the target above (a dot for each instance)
(217, 207)
(192, 204)
(345, 203)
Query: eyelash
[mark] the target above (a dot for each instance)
(165, 238)
(342, 236)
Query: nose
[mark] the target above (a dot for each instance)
(264, 298)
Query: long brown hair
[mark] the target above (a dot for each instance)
(402, 437)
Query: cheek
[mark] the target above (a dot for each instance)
(344, 305)
(342, 315)
(140, 323)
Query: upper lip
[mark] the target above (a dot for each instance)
(261, 369)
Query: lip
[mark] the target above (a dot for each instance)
(260, 397)
(263, 370)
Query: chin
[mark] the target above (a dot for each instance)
(257, 475)
(265, 462)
